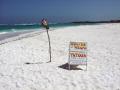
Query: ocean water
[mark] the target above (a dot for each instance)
(27, 27)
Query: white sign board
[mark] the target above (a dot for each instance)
(78, 53)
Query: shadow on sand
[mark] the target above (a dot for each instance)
(72, 67)
(33, 63)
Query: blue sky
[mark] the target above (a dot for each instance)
(32, 11)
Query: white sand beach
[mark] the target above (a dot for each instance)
(103, 71)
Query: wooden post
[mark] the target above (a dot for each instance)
(49, 44)
(69, 58)
(44, 23)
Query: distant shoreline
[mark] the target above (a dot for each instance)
(19, 27)
(12, 36)
(111, 21)
(30, 24)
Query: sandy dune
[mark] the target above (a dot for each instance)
(103, 60)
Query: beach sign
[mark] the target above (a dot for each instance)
(77, 53)
(44, 23)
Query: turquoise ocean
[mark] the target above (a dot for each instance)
(27, 27)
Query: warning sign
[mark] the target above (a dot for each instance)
(78, 53)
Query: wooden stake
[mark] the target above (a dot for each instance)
(49, 44)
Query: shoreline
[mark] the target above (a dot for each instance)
(13, 36)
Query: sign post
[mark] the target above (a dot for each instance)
(77, 53)
(45, 24)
